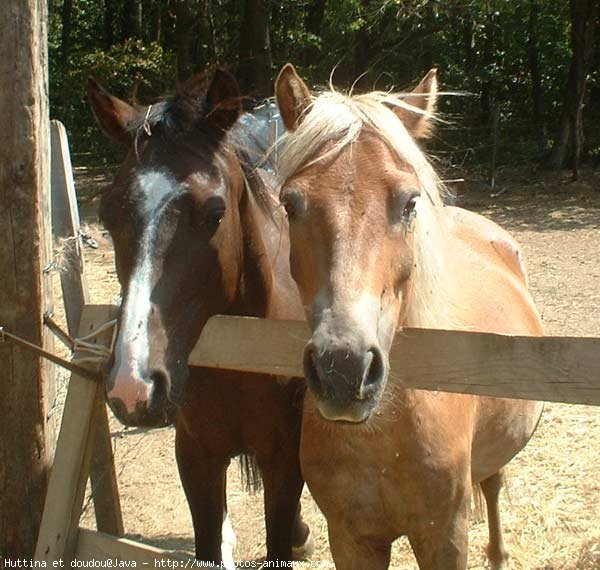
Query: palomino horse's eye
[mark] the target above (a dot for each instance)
(409, 213)
(402, 207)
(293, 203)
(290, 210)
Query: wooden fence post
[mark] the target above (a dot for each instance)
(60, 524)
(65, 222)
(26, 383)
(495, 136)
(65, 226)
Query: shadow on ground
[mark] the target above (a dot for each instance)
(541, 202)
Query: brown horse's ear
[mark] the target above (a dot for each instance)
(293, 97)
(424, 98)
(113, 115)
(223, 100)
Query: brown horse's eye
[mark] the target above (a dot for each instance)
(214, 218)
(210, 214)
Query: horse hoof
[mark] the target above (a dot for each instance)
(227, 558)
(497, 557)
(305, 551)
(228, 542)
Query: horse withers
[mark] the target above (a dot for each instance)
(375, 249)
(195, 234)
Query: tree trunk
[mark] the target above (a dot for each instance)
(109, 18)
(487, 87)
(209, 22)
(427, 43)
(131, 21)
(362, 51)
(25, 293)
(183, 38)
(137, 19)
(312, 23)
(168, 24)
(156, 21)
(255, 61)
(569, 139)
(67, 16)
(205, 41)
(534, 71)
(468, 45)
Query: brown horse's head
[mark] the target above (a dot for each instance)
(173, 214)
(355, 187)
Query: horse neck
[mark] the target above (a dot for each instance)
(429, 300)
(256, 278)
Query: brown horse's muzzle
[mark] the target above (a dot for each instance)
(140, 400)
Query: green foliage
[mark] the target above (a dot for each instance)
(482, 48)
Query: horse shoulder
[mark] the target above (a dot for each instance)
(489, 239)
(498, 297)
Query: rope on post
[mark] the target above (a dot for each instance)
(92, 353)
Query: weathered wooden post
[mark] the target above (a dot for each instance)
(65, 222)
(26, 382)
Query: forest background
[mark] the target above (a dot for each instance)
(528, 70)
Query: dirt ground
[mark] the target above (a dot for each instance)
(551, 515)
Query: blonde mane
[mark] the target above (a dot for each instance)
(336, 120)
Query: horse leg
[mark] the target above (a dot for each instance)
(350, 553)
(204, 478)
(303, 545)
(496, 552)
(442, 543)
(283, 484)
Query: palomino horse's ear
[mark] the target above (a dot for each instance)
(293, 96)
(113, 115)
(223, 100)
(424, 98)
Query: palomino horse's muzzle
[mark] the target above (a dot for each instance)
(345, 375)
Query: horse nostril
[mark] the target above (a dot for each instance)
(160, 384)
(375, 370)
(119, 408)
(310, 367)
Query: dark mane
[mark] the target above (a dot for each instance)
(183, 118)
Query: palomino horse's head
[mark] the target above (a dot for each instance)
(173, 214)
(356, 189)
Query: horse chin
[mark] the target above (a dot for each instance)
(355, 412)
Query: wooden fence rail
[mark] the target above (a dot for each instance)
(556, 369)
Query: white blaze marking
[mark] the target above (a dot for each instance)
(155, 189)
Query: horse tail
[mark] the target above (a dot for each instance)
(250, 473)
(479, 501)
(478, 506)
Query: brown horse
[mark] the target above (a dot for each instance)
(374, 249)
(195, 234)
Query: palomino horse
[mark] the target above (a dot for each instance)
(194, 235)
(374, 249)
